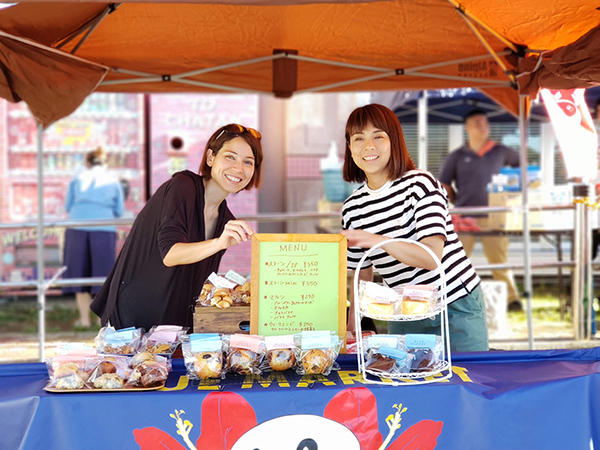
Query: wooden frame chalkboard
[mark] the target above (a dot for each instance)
(298, 283)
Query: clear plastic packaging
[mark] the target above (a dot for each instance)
(244, 353)
(119, 342)
(203, 355)
(163, 339)
(427, 351)
(150, 371)
(387, 355)
(316, 352)
(281, 353)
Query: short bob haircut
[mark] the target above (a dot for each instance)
(216, 142)
(384, 119)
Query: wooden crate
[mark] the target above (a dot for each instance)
(208, 319)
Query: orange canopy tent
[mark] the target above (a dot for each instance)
(291, 46)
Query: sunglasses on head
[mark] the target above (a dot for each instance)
(238, 129)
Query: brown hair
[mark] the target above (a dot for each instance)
(384, 119)
(95, 157)
(220, 137)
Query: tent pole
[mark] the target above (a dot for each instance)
(41, 288)
(526, 235)
(423, 131)
(589, 291)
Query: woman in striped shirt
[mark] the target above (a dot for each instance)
(398, 201)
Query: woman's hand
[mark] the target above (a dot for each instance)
(235, 231)
(362, 238)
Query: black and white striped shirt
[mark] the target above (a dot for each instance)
(412, 207)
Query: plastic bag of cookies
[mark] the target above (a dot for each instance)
(119, 342)
(203, 355)
(217, 291)
(244, 353)
(280, 353)
(163, 339)
(241, 292)
(316, 352)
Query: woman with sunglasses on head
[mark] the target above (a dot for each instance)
(180, 236)
(398, 201)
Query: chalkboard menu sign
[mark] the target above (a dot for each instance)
(298, 283)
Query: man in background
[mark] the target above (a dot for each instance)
(465, 175)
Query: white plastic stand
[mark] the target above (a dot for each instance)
(445, 363)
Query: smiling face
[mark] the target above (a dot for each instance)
(232, 167)
(371, 152)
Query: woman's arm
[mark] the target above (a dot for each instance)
(366, 275)
(181, 253)
(409, 254)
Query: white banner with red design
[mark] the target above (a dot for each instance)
(574, 130)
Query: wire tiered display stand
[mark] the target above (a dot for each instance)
(444, 365)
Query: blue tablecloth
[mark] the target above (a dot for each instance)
(496, 400)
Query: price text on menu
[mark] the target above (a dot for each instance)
(298, 285)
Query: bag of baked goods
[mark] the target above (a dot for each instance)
(280, 353)
(378, 300)
(70, 371)
(163, 339)
(119, 342)
(148, 370)
(316, 352)
(244, 353)
(427, 351)
(203, 355)
(241, 291)
(419, 299)
(386, 354)
(217, 291)
(109, 372)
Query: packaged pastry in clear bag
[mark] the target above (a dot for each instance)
(427, 351)
(280, 353)
(419, 299)
(163, 339)
(203, 355)
(109, 372)
(241, 291)
(386, 354)
(316, 352)
(125, 341)
(378, 300)
(217, 291)
(244, 353)
(69, 372)
(148, 370)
